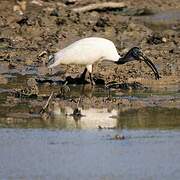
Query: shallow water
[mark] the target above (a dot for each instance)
(168, 19)
(65, 147)
(84, 154)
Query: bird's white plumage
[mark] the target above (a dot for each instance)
(86, 52)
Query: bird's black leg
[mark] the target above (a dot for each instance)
(82, 78)
(91, 79)
(81, 95)
(83, 75)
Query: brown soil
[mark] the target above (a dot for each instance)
(53, 25)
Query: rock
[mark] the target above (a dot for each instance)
(20, 7)
(55, 12)
(37, 2)
(3, 80)
(156, 38)
(118, 137)
(164, 40)
(70, 2)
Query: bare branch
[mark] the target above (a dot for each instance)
(100, 6)
(47, 103)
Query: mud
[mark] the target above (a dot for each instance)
(30, 32)
(52, 26)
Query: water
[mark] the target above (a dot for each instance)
(163, 20)
(78, 154)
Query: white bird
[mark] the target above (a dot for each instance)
(87, 51)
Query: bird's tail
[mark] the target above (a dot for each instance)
(51, 61)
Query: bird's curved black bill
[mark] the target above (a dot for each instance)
(151, 65)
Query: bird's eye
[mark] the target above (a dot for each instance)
(136, 52)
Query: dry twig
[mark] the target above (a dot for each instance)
(47, 103)
(100, 6)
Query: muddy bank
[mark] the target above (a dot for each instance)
(26, 40)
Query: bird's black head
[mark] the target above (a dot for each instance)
(133, 54)
(136, 54)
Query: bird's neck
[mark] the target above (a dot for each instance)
(121, 60)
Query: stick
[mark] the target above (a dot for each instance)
(47, 103)
(100, 6)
